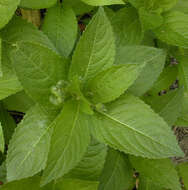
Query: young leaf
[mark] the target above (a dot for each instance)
(103, 2)
(95, 50)
(173, 31)
(111, 83)
(60, 25)
(38, 69)
(91, 165)
(166, 78)
(154, 60)
(69, 142)
(2, 143)
(131, 126)
(161, 172)
(29, 146)
(168, 106)
(39, 4)
(183, 172)
(8, 123)
(7, 9)
(127, 28)
(117, 173)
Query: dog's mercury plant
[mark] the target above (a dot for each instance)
(101, 85)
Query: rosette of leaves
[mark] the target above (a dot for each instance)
(86, 106)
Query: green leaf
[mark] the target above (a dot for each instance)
(39, 4)
(111, 83)
(9, 83)
(146, 184)
(19, 30)
(183, 172)
(78, 6)
(117, 173)
(127, 28)
(160, 5)
(38, 69)
(7, 9)
(31, 183)
(1, 73)
(160, 172)
(149, 19)
(91, 165)
(2, 143)
(182, 6)
(103, 2)
(60, 25)
(173, 31)
(131, 126)
(3, 172)
(154, 60)
(8, 123)
(166, 78)
(69, 142)
(76, 184)
(95, 50)
(29, 146)
(168, 106)
(20, 102)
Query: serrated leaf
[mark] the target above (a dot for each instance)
(127, 28)
(166, 78)
(168, 106)
(37, 4)
(60, 25)
(8, 123)
(160, 172)
(91, 165)
(183, 172)
(113, 82)
(20, 102)
(7, 9)
(103, 2)
(154, 60)
(69, 142)
(2, 143)
(95, 50)
(38, 69)
(79, 7)
(131, 126)
(116, 176)
(173, 31)
(29, 146)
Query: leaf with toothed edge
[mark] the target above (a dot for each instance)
(131, 126)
